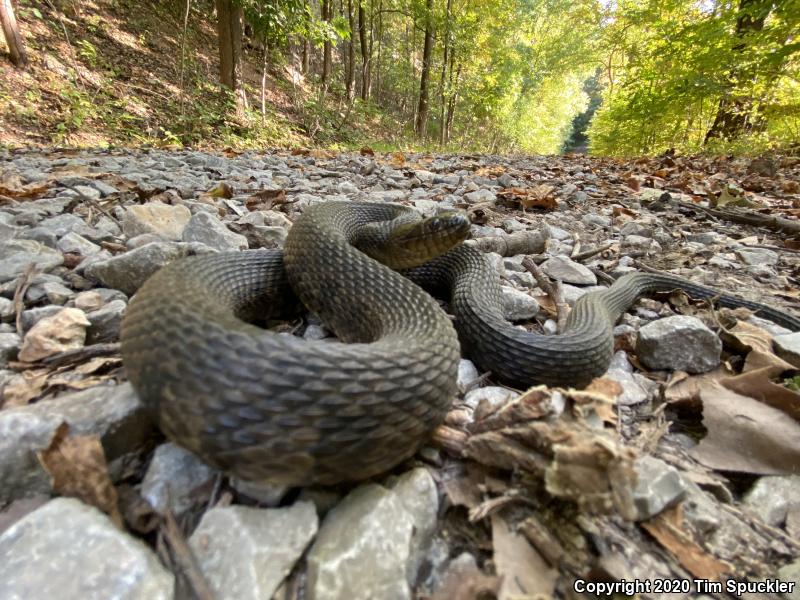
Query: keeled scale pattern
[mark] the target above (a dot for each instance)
(279, 408)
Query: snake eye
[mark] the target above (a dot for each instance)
(435, 225)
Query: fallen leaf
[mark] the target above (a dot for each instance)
(24, 387)
(78, 468)
(523, 571)
(541, 196)
(745, 435)
(65, 330)
(667, 529)
(265, 199)
(398, 159)
(367, 151)
(757, 384)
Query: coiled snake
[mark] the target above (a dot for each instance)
(275, 407)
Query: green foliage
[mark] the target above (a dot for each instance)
(793, 383)
(673, 65)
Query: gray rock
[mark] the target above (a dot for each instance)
(636, 228)
(245, 553)
(128, 271)
(757, 256)
(571, 293)
(207, 229)
(771, 327)
(174, 478)
(564, 269)
(112, 412)
(77, 244)
(525, 279)
(659, 486)
(482, 195)
(678, 343)
(7, 311)
(788, 347)
(640, 243)
(369, 545)
(41, 235)
(31, 316)
(556, 233)
(467, 372)
(706, 238)
(596, 220)
(17, 255)
(10, 344)
(263, 492)
(316, 332)
(517, 305)
(43, 555)
(54, 291)
(489, 396)
(791, 573)
(62, 224)
(635, 388)
(514, 263)
(104, 188)
(512, 225)
(66, 549)
(104, 322)
(428, 208)
(347, 188)
(164, 220)
(773, 497)
(266, 237)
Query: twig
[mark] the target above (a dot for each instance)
(81, 354)
(449, 439)
(576, 239)
(581, 256)
(186, 561)
(471, 385)
(554, 291)
(19, 294)
(776, 248)
(183, 52)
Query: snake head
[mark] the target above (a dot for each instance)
(413, 244)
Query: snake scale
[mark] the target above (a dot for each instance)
(271, 407)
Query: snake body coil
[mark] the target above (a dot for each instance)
(275, 407)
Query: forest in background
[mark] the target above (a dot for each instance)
(622, 78)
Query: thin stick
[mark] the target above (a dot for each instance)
(19, 294)
(554, 291)
(81, 354)
(186, 561)
(581, 256)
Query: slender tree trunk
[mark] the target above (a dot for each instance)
(264, 69)
(327, 15)
(229, 29)
(451, 103)
(443, 82)
(733, 116)
(421, 123)
(380, 48)
(16, 47)
(350, 66)
(362, 38)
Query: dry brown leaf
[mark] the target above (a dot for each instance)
(24, 387)
(464, 489)
(667, 529)
(683, 387)
(744, 337)
(523, 571)
(221, 190)
(398, 159)
(78, 468)
(621, 211)
(367, 151)
(11, 185)
(541, 196)
(745, 435)
(265, 200)
(65, 330)
(757, 384)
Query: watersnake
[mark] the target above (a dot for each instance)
(278, 408)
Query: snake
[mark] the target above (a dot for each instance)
(276, 408)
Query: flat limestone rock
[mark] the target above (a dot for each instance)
(66, 549)
(369, 546)
(245, 553)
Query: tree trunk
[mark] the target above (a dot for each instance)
(264, 69)
(733, 116)
(380, 48)
(362, 37)
(327, 14)
(16, 47)
(451, 103)
(421, 123)
(443, 82)
(229, 30)
(350, 66)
